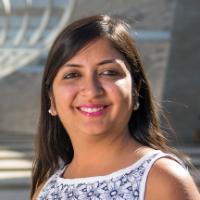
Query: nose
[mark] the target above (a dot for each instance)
(92, 88)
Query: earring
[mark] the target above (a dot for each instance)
(136, 106)
(50, 112)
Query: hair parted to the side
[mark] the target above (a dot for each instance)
(53, 142)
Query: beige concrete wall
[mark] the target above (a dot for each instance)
(20, 91)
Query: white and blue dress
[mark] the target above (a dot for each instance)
(126, 184)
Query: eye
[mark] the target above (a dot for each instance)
(71, 75)
(110, 73)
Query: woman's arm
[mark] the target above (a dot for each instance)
(168, 180)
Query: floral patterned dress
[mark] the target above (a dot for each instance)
(125, 184)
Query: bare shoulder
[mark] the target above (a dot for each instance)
(169, 180)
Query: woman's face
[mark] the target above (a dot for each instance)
(92, 92)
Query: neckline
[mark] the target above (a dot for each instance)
(114, 174)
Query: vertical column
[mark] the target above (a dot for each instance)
(182, 81)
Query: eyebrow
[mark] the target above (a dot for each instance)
(108, 61)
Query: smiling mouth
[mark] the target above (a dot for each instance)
(93, 111)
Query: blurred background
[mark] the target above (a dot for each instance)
(167, 35)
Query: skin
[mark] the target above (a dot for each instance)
(168, 180)
(99, 75)
(96, 75)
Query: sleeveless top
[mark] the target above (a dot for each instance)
(128, 183)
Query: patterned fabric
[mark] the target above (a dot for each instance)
(125, 184)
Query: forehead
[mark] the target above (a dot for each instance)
(96, 50)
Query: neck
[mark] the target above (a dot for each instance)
(92, 150)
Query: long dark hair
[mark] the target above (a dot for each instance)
(53, 142)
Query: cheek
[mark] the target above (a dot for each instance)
(125, 87)
(121, 91)
(64, 95)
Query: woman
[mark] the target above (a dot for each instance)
(99, 136)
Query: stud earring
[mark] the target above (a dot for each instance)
(50, 112)
(136, 106)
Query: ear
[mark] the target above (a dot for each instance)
(52, 109)
(136, 103)
(139, 86)
(136, 93)
(135, 96)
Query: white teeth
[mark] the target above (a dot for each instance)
(91, 110)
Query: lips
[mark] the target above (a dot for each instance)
(92, 110)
